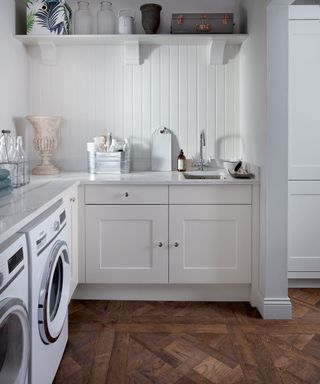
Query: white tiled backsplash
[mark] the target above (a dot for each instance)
(174, 87)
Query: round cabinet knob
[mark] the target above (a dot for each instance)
(56, 226)
(126, 194)
(1, 279)
(176, 244)
(160, 245)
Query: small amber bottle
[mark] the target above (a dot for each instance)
(181, 162)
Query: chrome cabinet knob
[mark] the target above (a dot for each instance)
(126, 194)
(160, 245)
(176, 244)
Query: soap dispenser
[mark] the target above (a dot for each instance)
(181, 162)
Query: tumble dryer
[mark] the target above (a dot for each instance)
(14, 320)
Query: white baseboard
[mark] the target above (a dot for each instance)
(304, 283)
(278, 308)
(154, 292)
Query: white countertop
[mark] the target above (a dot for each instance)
(26, 203)
(167, 178)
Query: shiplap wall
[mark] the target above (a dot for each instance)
(174, 87)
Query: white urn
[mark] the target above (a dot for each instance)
(45, 141)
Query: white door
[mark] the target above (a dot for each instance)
(14, 341)
(126, 244)
(304, 107)
(304, 226)
(210, 244)
(54, 293)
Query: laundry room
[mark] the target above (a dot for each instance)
(159, 191)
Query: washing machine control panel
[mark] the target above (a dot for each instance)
(49, 229)
(13, 257)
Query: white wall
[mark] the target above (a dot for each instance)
(13, 72)
(96, 93)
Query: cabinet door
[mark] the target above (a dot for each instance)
(304, 226)
(304, 108)
(72, 212)
(210, 244)
(123, 244)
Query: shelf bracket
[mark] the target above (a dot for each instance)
(217, 52)
(48, 51)
(132, 52)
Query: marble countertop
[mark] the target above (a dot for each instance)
(26, 203)
(166, 178)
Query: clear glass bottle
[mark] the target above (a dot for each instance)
(106, 19)
(83, 21)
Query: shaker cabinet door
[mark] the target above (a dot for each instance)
(304, 107)
(304, 226)
(210, 244)
(126, 244)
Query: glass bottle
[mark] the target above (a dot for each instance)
(181, 162)
(83, 21)
(106, 19)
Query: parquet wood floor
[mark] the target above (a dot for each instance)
(115, 342)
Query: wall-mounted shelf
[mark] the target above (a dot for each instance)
(216, 44)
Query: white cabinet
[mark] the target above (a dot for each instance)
(304, 227)
(304, 106)
(168, 243)
(210, 244)
(126, 244)
(71, 201)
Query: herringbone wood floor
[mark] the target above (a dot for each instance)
(191, 343)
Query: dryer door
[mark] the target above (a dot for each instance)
(54, 293)
(15, 341)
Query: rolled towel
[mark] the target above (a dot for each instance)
(5, 183)
(4, 174)
(5, 191)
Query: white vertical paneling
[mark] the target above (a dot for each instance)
(155, 88)
(202, 101)
(192, 100)
(118, 129)
(165, 86)
(220, 111)
(128, 101)
(146, 105)
(211, 112)
(174, 101)
(102, 90)
(183, 99)
(137, 114)
(174, 86)
(109, 107)
(229, 110)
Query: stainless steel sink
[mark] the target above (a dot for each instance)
(205, 175)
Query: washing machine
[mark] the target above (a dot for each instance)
(14, 319)
(49, 287)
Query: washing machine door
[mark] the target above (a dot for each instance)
(54, 293)
(14, 341)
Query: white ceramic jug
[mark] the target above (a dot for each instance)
(126, 21)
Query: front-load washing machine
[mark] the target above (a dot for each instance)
(14, 320)
(49, 281)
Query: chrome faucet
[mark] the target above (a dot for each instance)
(202, 144)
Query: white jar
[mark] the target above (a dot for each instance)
(125, 21)
(106, 19)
